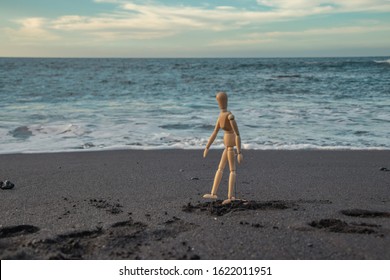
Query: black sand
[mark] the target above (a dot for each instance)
(148, 205)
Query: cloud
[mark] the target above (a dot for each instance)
(144, 20)
(314, 34)
(155, 15)
(30, 30)
(243, 41)
(332, 5)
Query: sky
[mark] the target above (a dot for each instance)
(194, 28)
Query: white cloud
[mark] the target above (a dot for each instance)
(151, 19)
(336, 5)
(244, 41)
(315, 34)
(31, 30)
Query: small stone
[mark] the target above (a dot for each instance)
(181, 170)
(384, 169)
(194, 178)
(6, 185)
(310, 245)
(195, 257)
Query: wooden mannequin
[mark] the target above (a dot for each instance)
(231, 138)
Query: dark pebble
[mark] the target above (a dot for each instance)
(256, 225)
(6, 185)
(195, 257)
(194, 178)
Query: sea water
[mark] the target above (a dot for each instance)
(50, 104)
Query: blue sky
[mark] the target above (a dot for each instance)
(194, 28)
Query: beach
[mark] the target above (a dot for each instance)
(140, 204)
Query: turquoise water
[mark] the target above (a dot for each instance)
(50, 105)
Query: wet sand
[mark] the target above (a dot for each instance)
(149, 205)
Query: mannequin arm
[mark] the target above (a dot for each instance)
(212, 138)
(233, 123)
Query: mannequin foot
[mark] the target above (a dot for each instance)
(209, 195)
(228, 201)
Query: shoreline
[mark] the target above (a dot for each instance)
(147, 204)
(201, 149)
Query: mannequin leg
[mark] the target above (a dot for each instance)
(218, 176)
(232, 177)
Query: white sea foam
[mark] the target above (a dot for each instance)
(59, 129)
(382, 61)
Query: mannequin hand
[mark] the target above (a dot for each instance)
(240, 158)
(205, 152)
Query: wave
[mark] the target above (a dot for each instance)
(382, 61)
(183, 146)
(25, 132)
(287, 76)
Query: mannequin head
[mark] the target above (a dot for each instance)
(222, 100)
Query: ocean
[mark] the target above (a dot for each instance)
(64, 104)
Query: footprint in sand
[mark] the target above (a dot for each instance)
(18, 230)
(365, 213)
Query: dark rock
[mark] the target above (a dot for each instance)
(21, 132)
(6, 185)
(257, 225)
(195, 257)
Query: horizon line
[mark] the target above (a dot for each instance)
(188, 57)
